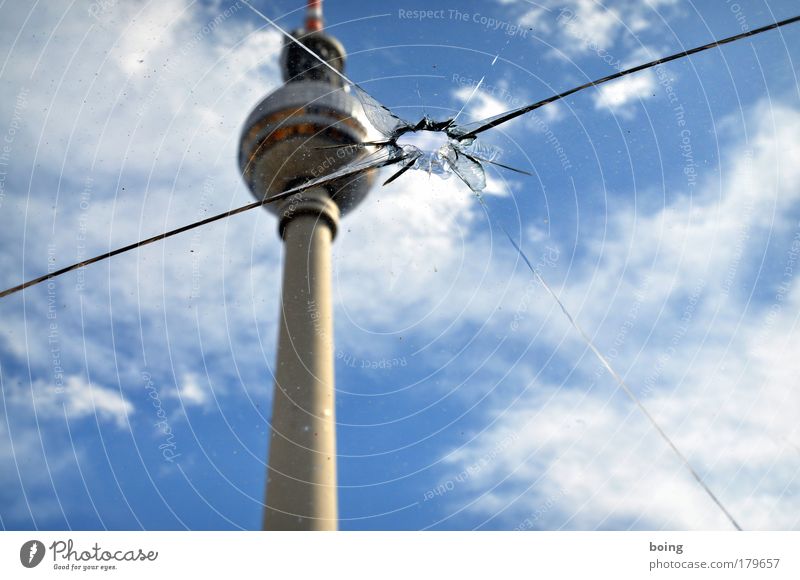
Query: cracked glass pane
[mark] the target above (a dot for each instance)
(568, 301)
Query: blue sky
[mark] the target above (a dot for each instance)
(663, 209)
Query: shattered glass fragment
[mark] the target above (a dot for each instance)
(379, 158)
(428, 147)
(503, 165)
(436, 147)
(386, 122)
(410, 160)
(434, 152)
(429, 150)
(466, 167)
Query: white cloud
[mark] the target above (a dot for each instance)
(577, 27)
(191, 393)
(73, 398)
(590, 23)
(552, 112)
(152, 86)
(618, 96)
(713, 367)
(415, 229)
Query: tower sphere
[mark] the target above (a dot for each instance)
(290, 136)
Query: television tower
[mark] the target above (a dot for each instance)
(283, 145)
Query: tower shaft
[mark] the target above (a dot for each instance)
(298, 132)
(301, 479)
